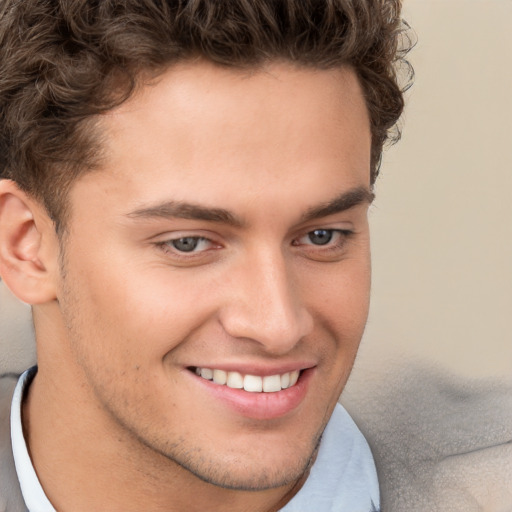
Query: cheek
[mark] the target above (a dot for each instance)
(343, 297)
(341, 312)
(139, 312)
(355, 297)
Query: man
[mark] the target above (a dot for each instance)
(184, 205)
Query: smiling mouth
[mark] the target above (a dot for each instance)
(250, 383)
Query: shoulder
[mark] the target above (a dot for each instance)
(10, 495)
(7, 384)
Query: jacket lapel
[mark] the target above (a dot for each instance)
(11, 499)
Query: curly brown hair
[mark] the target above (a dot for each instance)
(63, 62)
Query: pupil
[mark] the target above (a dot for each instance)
(320, 236)
(186, 244)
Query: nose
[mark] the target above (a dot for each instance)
(265, 304)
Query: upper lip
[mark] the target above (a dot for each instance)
(262, 370)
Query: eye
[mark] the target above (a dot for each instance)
(320, 236)
(323, 237)
(324, 244)
(187, 243)
(187, 249)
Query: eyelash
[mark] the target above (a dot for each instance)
(340, 237)
(167, 246)
(343, 234)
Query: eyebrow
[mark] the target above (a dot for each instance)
(341, 203)
(182, 210)
(191, 211)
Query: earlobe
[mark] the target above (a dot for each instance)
(28, 246)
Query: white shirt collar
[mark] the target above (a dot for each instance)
(33, 494)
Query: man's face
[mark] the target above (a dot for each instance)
(226, 232)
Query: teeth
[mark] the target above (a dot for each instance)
(235, 380)
(271, 383)
(251, 383)
(220, 376)
(206, 373)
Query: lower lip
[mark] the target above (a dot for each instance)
(260, 406)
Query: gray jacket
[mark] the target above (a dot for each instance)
(11, 499)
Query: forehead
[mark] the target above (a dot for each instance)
(207, 131)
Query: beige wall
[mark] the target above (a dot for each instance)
(442, 223)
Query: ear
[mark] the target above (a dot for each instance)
(29, 247)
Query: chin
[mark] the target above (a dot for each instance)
(266, 471)
(243, 478)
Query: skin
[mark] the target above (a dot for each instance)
(114, 419)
